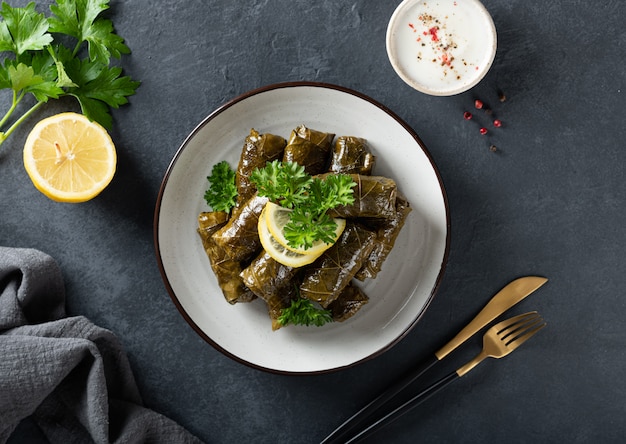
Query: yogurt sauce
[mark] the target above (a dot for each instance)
(441, 47)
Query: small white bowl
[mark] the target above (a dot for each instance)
(441, 47)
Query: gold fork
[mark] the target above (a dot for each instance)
(498, 341)
(504, 337)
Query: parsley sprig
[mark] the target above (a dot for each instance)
(285, 183)
(310, 198)
(222, 193)
(302, 311)
(39, 64)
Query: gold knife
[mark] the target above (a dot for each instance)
(506, 298)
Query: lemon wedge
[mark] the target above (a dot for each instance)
(276, 217)
(69, 158)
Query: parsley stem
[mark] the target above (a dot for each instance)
(21, 119)
(76, 48)
(11, 109)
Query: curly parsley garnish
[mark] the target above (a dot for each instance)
(285, 183)
(222, 193)
(310, 198)
(303, 312)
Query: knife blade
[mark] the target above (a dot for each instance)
(507, 297)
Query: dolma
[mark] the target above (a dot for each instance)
(374, 196)
(276, 304)
(326, 278)
(309, 148)
(351, 155)
(320, 138)
(240, 236)
(273, 282)
(225, 269)
(349, 301)
(258, 149)
(266, 277)
(386, 235)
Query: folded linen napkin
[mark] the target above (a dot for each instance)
(70, 376)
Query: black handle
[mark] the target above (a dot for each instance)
(404, 408)
(339, 434)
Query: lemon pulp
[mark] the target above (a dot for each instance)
(69, 158)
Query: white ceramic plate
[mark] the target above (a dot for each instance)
(398, 296)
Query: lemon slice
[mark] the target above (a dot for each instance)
(277, 251)
(276, 219)
(69, 158)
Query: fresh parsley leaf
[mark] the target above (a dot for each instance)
(94, 110)
(303, 312)
(97, 86)
(306, 226)
(282, 182)
(108, 87)
(23, 78)
(80, 19)
(222, 193)
(337, 190)
(23, 29)
(104, 43)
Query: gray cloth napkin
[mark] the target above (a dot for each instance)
(68, 375)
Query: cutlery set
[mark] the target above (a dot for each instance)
(500, 340)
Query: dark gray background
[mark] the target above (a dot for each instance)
(549, 202)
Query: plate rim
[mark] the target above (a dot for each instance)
(219, 110)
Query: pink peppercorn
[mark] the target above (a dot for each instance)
(497, 123)
(478, 104)
(467, 115)
(483, 131)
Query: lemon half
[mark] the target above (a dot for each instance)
(69, 158)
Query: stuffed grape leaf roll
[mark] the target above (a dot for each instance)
(273, 282)
(374, 196)
(309, 148)
(319, 138)
(258, 149)
(267, 277)
(326, 278)
(349, 301)
(351, 155)
(277, 303)
(240, 236)
(388, 230)
(225, 269)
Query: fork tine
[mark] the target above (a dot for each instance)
(508, 323)
(526, 334)
(519, 326)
